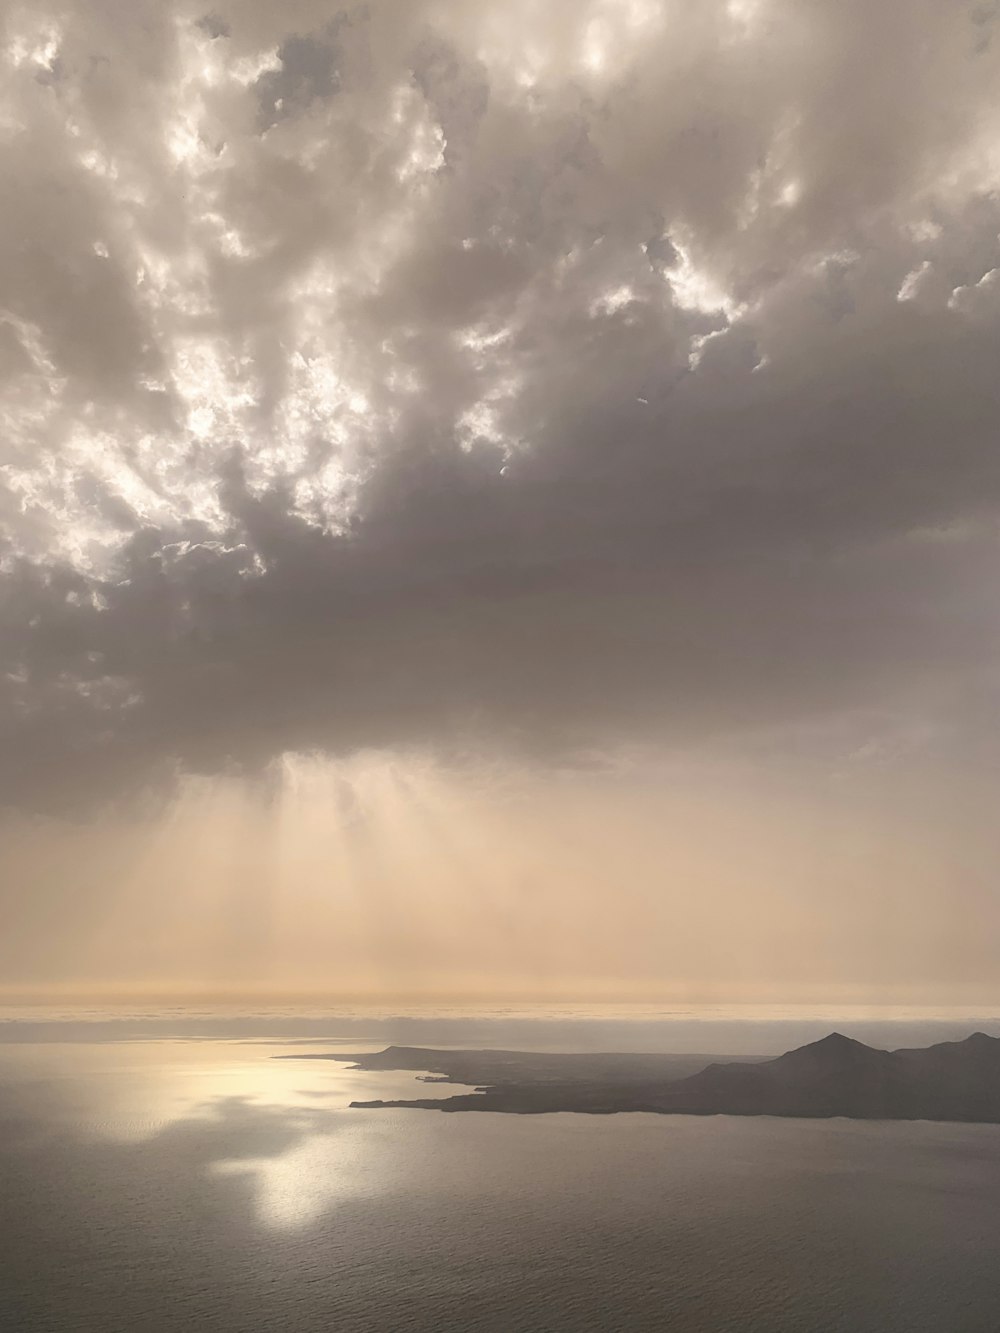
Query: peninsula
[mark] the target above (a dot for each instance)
(837, 1076)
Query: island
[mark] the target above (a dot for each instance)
(837, 1076)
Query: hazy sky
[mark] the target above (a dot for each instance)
(501, 498)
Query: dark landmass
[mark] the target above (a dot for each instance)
(955, 1080)
(521, 1068)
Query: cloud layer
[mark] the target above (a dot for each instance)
(499, 375)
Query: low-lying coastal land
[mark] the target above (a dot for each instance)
(837, 1076)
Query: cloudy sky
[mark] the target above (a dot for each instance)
(500, 498)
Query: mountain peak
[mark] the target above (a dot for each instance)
(836, 1041)
(835, 1046)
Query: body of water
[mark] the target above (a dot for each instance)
(148, 1186)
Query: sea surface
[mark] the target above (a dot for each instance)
(154, 1185)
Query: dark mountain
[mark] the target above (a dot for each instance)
(839, 1076)
(835, 1076)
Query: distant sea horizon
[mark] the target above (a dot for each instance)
(709, 1028)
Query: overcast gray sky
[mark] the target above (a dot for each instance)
(427, 422)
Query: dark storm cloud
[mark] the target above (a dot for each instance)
(490, 375)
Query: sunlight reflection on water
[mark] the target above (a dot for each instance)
(315, 1150)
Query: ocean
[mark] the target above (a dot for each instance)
(149, 1186)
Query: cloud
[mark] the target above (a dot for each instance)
(499, 376)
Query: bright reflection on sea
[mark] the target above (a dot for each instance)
(296, 1187)
(286, 1124)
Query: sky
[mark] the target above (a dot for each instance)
(500, 500)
